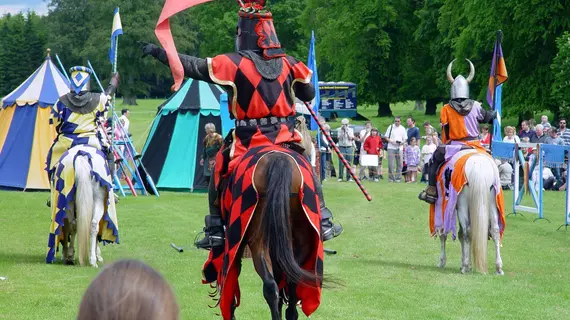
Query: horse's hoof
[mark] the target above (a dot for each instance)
(465, 270)
(500, 272)
(69, 262)
(441, 264)
(99, 259)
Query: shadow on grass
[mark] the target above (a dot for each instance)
(22, 258)
(408, 266)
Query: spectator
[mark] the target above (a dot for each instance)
(396, 135)
(125, 113)
(554, 137)
(485, 137)
(510, 135)
(532, 124)
(128, 290)
(373, 145)
(326, 159)
(413, 131)
(364, 133)
(357, 150)
(345, 144)
(412, 160)
(429, 129)
(540, 137)
(435, 139)
(563, 132)
(526, 132)
(427, 151)
(212, 144)
(505, 174)
(544, 122)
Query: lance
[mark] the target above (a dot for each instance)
(340, 156)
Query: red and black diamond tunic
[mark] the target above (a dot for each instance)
(254, 97)
(251, 96)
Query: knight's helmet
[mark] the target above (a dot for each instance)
(460, 85)
(80, 77)
(255, 30)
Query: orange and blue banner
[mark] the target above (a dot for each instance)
(494, 91)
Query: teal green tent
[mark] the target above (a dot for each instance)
(174, 146)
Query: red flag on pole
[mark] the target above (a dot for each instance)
(164, 35)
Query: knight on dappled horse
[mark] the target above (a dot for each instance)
(77, 117)
(262, 83)
(460, 120)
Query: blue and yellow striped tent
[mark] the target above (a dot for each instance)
(25, 132)
(173, 148)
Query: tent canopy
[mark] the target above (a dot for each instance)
(43, 87)
(174, 147)
(25, 132)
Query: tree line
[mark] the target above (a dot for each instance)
(394, 50)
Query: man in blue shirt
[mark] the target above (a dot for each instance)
(413, 131)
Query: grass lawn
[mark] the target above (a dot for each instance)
(386, 261)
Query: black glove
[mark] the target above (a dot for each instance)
(113, 84)
(147, 48)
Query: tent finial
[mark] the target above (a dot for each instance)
(48, 52)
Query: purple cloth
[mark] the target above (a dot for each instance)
(412, 156)
(472, 120)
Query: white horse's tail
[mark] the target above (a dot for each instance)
(480, 178)
(83, 206)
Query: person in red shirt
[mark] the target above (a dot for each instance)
(373, 145)
(262, 83)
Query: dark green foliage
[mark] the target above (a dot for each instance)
(395, 50)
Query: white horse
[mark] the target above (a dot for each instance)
(478, 216)
(83, 215)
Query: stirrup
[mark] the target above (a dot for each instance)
(427, 198)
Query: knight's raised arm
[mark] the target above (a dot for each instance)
(195, 68)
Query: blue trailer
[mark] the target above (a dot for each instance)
(338, 100)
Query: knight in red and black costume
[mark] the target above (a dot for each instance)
(262, 83)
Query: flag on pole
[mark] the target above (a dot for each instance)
(117, 30)
(164, 35)
(312, 64)
(494, 91)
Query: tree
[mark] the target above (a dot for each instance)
(561, 69)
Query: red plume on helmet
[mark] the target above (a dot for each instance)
(255, 30)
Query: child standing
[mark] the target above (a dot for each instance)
(427, 151)
(373, 145)
(412, 156)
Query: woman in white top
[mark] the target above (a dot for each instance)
(510, 136)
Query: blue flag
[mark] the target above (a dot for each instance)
(312, 64)
(117, 30)
(497, 122)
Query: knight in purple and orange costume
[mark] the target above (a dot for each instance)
(460, 120)
(262, 83)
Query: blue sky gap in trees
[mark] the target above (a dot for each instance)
(15, 6)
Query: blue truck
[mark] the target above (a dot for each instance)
(338, 100)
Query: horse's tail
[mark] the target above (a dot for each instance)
(276, 225)
(83, 206)
(480, 180)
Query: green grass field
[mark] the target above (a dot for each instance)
(386, 261)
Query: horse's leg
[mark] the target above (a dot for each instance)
(99, 257)
(442, 257)
(65, 243)
(73, 224)
(270, 287)
(291, 313)
(495, 233)
(238, 262)
(463, 217)
(98, 211)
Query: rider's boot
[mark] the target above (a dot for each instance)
(429, 195)
(329, 230)
(214, 226)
